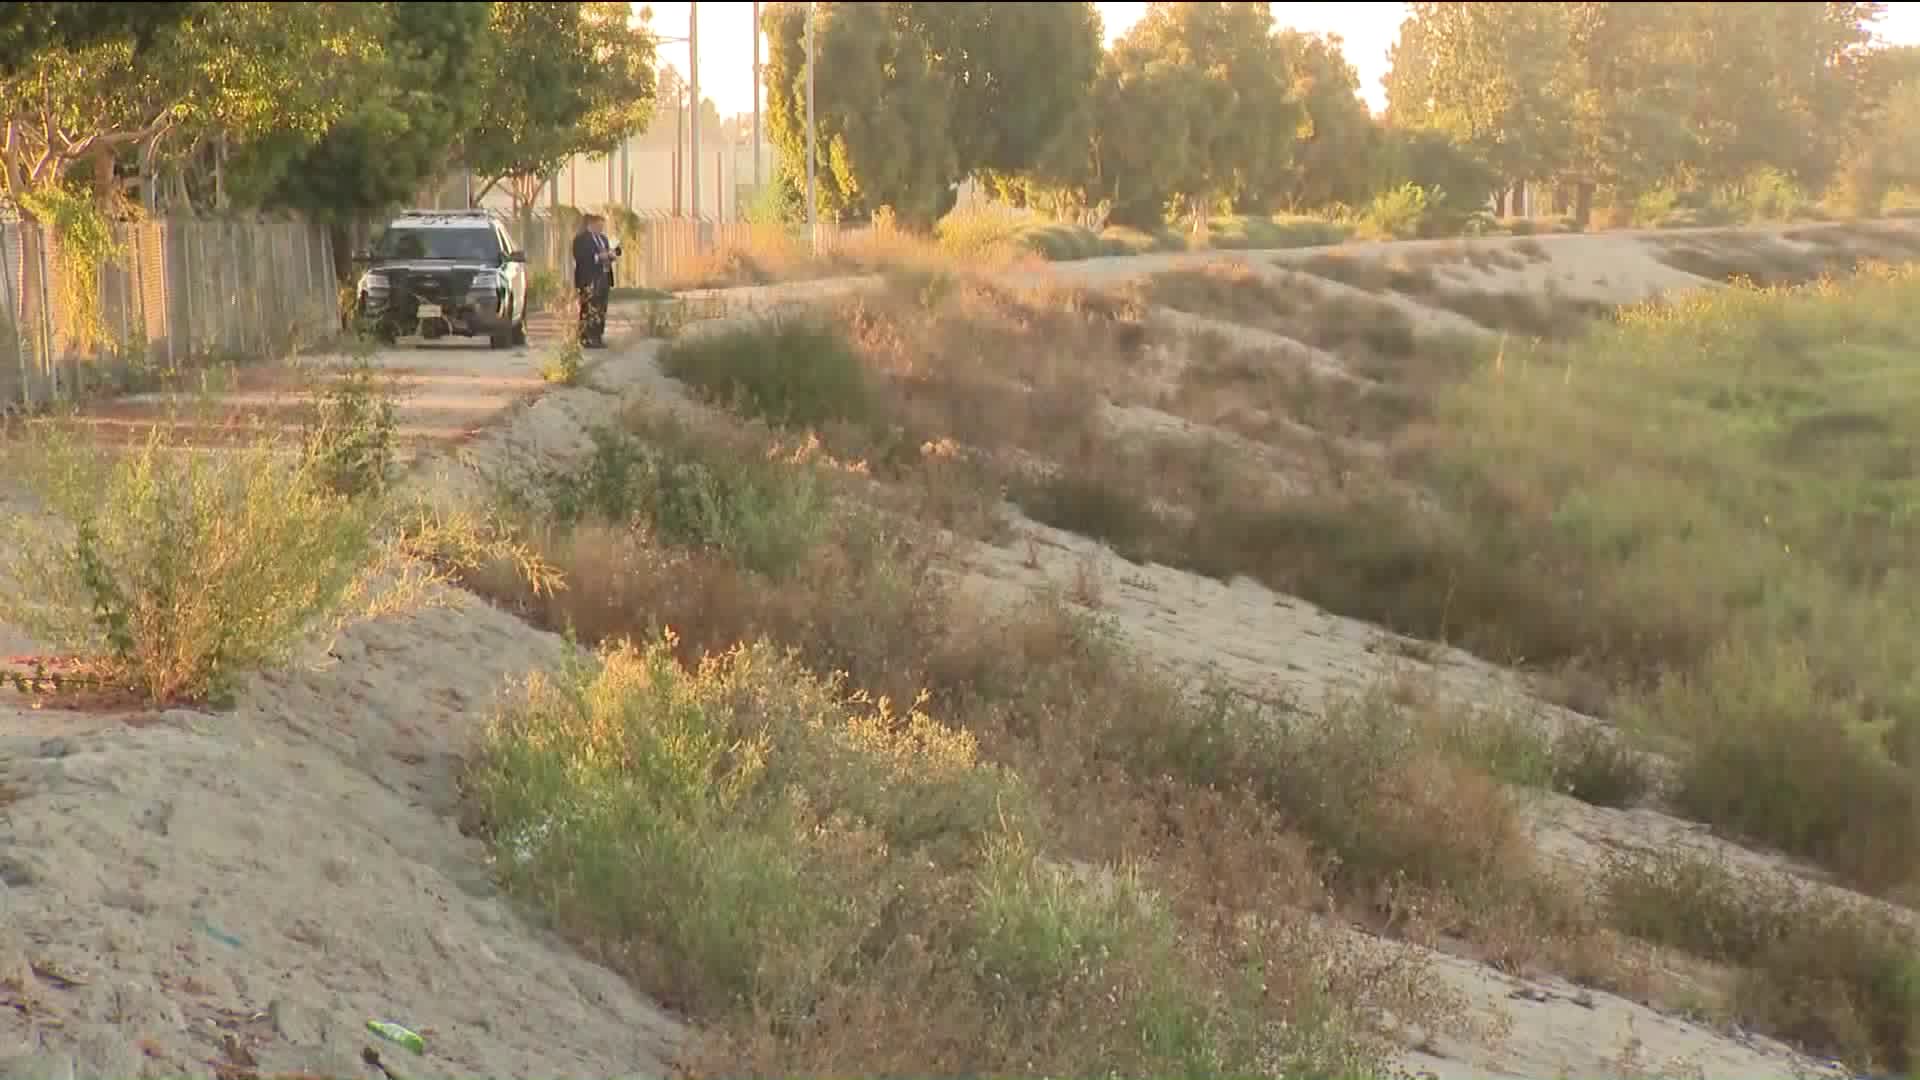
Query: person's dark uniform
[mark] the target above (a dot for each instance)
(603, 291)
(588, 277)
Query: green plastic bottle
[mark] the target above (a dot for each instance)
(394, 1033)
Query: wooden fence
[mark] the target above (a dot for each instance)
(178, 291)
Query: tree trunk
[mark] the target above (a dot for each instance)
(340, 238)
(1582, 203)
(105, 186)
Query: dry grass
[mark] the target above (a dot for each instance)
(1527, 541)
(1373, 338)
(1416, 275)
(1797, 257)
(776, 255)
(1553, 316)
(1837, 976)
(1209, 835)
(1518, 508)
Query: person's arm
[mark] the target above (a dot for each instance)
(584, 260)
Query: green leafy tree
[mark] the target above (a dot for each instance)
(559, 79)
(882, 120)
(401, 128)
(912, 97)
(236, 74)
(28, 30)
(1779, 91)
(1150, 129)
(1016, 74)
(1430, 159)
(1631, 102)
(1194, 111)
(1629, 95)
(1331, 162)
(1886, 152)
(1496, 77)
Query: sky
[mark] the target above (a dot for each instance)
(1367, 31)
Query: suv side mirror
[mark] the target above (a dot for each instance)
(362, 256)
(516, 256)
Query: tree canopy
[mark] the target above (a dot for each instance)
(399, 130)
(242, 75)
(1637, 95)
(911, 98)
(1199, 108)
(29, 30)
(558, 80)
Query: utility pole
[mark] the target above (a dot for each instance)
(813, 221)
(693, 77)
(756, 100)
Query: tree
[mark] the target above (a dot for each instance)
(1634, 95)
(913, 97)
(560, 79)
(1777, 92)
(1015, 74)
(1496, 77)
(1331, 162)
(240, 72)
(882, 119)
(28, 30)
(1431, 159)
(401, 126)
(1631, 105)
(1195, 108)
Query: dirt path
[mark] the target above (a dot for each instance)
(183, 893)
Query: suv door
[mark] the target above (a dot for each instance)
(515, 272)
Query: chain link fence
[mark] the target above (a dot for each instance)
(180, 292)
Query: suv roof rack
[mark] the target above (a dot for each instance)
(478, 211)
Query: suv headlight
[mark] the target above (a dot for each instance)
(487, 281)
(373, 283)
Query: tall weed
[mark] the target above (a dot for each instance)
(179, 568)
(800, 372)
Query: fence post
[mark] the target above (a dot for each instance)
(14, 306)
(167, 292)
(48, 360)
(306, 267)
(125, 276)
(189, 238)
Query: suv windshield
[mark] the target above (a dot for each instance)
(452, 245)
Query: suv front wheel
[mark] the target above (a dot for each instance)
(514, 334)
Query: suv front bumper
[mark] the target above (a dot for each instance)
(478, 311)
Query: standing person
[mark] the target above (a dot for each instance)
(588, 270)
(603, 289)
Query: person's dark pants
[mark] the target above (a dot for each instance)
(593, 314)
(602, 299)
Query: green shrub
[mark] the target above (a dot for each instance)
(979, 234)
(1768, 195)
(743, 821)
(1832, 975)
(547, 291)
(1275, 233)
(1398, 214)
(767, 513)
(565, 362)
(1776, 759)
(349, 440)
(795, 370)
(179, 569)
